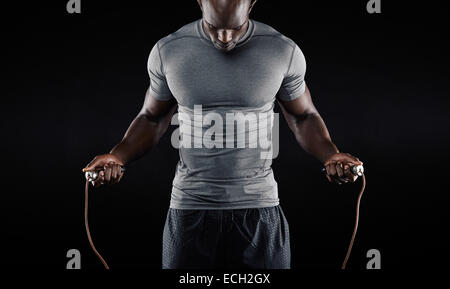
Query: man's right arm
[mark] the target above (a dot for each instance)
(143, 134)
(146, 129)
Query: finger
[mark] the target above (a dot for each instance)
(357, 163)
(333, 169)
(329, 169)
(107, 173)
(353, 160)
(329, 179)
(120, 176)
(118, 170)
(101, 178)
(348, 173)
(339, 170)
(115, 173)
(92, 165)
(116, 180)
(336, 180)
(342, 179)
(97, 183)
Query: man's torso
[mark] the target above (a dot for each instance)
(245, 79)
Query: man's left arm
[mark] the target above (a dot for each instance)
(312, 134)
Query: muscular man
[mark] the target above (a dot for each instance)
(224, 210)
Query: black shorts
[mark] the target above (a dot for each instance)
(226, 239)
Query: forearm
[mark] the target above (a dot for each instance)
(312, 134)
(143, 134)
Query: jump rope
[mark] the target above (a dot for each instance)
(93, 175)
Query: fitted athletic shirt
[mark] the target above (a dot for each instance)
(208, 82)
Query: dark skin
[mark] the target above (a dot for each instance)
(142, 136)
(225, 21)
(312, 134)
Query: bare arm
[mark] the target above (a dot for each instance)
(312, 134)
(308, 127)
(143, 134)
(146, 129)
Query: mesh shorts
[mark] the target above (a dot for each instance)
(256, 238)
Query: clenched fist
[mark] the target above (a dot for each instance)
(110, 169)
(338, 168)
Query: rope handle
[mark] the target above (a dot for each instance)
(344, 264)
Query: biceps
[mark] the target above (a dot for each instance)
(301, 105)
(154, 109)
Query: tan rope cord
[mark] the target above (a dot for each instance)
(347, 256)
(86, 224)
(350, 246)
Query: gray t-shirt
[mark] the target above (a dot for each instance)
(186, 66)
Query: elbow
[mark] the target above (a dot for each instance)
(149, 117)
(301, 118)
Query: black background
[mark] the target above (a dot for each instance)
(74, 83)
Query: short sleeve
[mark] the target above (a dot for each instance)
(293, 84)
(158, 83)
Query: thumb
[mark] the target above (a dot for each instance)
(92, 165)
(101, 160)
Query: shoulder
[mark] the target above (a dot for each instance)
(281, 46)
(263, 30)
(185, 32)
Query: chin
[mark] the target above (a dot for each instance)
(225, 48)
